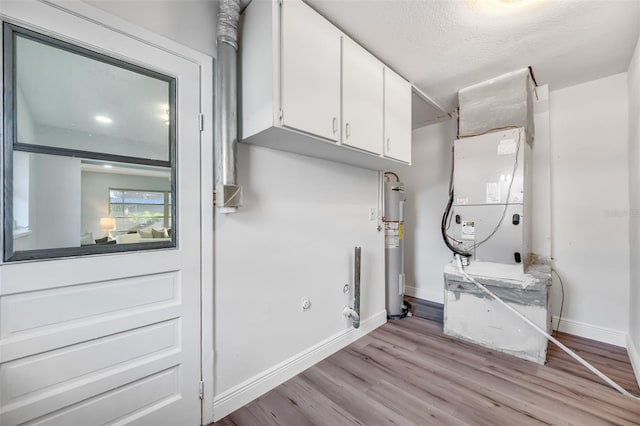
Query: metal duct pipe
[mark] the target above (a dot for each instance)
(228, 192)
(353, 314)
(356, 290)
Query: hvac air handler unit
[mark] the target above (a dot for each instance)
(487, 223)
(490, 218)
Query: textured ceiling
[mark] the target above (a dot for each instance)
(445, 45)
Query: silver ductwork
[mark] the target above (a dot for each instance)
(228, 193)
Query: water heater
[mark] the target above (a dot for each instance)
(393, 219)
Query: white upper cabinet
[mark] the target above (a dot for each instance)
(310, 60)
(397, 117)
(307, 88)
(362, 98)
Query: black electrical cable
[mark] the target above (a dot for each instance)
(451, 191)
(447, 212)
(445, 217)
(561, 300)
(506, 205)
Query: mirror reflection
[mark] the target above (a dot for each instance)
(69, 202)
(68, 100)
(90, 151)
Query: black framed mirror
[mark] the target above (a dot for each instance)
(89, 151)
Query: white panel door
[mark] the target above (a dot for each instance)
(111, 338)
(310, 61)
(362, 90)
(397, 117)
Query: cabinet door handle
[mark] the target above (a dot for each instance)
(335, 125)
(347, 130)
(387, 144)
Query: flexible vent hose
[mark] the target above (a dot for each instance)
(545, 334)
(228, 18)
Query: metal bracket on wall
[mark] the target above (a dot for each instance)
(227, 196)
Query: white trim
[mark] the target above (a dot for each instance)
(245, 392)
(590, 331)
(634, 356)
(425, 294)
(206, 242)
(21, 233)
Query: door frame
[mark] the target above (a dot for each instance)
(205, 63)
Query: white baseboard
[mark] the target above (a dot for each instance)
(634, 356)
(240, 395)
(590, 331)
(436, 296)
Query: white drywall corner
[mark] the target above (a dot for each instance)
(633, 84)
(590, 201)
(426, 189)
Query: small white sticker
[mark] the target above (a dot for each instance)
(392, 241)
(493, 192)
(392, 235)
(468, 230)
(507, 147)
(462, 200)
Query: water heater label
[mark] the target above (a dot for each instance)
(507, 147)
(391, 241)
(468, 230)
(392, 234)
(493, 192)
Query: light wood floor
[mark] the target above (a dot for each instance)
(408, 372)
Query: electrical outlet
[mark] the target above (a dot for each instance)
(372, 213)
(306, 304)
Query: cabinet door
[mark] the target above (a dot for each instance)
(397, 117)
(362, 89)
(310, 66)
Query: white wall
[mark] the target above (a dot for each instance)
(633, 77)
(293, 238)
(25, 206)
(55, 189)
(26, 128)
(426, 190)
(189, 22)
(590, 205)
(541, 177)
(21, 188)
(95, 195)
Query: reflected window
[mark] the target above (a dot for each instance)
(140, 209)
(89, 151)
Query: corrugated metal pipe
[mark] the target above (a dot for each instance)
(228, 193)
(353, 314)
(356, 292)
